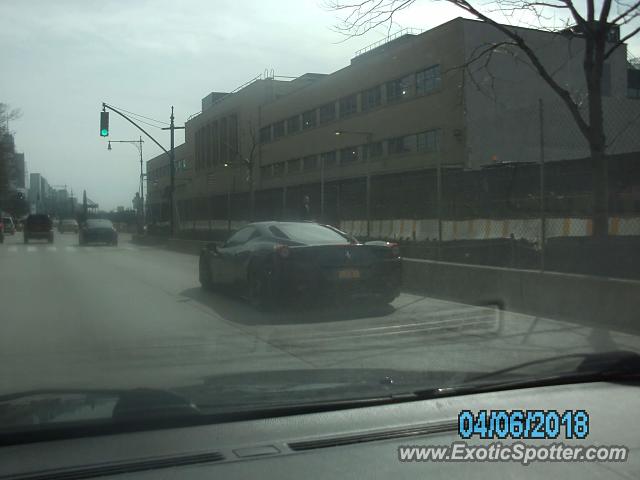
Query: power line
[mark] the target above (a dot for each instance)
(142, 116)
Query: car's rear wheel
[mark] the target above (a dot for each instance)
(386, 298)
(204, 274)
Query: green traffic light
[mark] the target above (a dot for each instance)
(104, 132)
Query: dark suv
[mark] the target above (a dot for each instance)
(38, 226)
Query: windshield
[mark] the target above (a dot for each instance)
(310, 234)
(39, 220)
(282, 203)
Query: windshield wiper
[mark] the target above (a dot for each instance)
(594, 367)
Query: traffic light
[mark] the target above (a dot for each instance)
(104, 124)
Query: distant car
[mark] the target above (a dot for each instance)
(97, 230)
(275, 261)
(68, 225)
(9, 226)
(38, 226)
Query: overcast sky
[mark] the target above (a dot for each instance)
(61, 59)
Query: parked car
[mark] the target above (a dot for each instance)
(97, 230)
(68, 225)
(272, 262)
(38, 226)
(9, 226)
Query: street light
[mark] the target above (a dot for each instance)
(138, 144)
(369, 137)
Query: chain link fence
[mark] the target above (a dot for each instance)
(525, 195)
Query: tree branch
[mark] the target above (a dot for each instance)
(542, 71)
(620, 17)
(621, 42)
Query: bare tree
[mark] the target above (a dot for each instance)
(6, 147)
(593, 26)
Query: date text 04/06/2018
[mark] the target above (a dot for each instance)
(523, 424)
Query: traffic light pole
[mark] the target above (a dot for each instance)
(170, 153)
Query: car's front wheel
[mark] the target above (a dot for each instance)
(260, 291)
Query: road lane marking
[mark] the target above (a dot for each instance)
(52, 249)
(31, 248)
(69, 248)
(89, 249)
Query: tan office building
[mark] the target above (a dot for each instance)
(395, 113)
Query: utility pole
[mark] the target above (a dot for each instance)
(172, 171)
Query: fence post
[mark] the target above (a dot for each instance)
(543, 222)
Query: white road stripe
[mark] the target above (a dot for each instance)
(89, 249)
(52, 249)
(69, 248)
(31, 248)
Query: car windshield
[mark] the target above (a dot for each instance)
(252, 204)
(310, 234)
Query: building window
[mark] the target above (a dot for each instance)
(428, 80)
(401, 144)
(265, 134)
(278, 169)
(348, 105)
(278, 129)
(371, 98)
(293, 166)
(266, 171)
(308, 119)
(429, 141)
(348, 155)
(399, 89)
(327, 112)
(373, 150)
(328, 159)
(309, 163)
(293, 124)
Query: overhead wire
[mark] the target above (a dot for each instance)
(142, 116)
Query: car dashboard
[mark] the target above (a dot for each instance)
(352, 443)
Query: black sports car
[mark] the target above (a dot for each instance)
(273, 262)
(97, 230)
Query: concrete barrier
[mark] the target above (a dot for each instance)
(593, 301)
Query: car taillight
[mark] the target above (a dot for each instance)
(282, 250)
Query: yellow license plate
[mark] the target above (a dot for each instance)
(348, 274)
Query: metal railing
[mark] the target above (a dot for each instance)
(398, 34)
